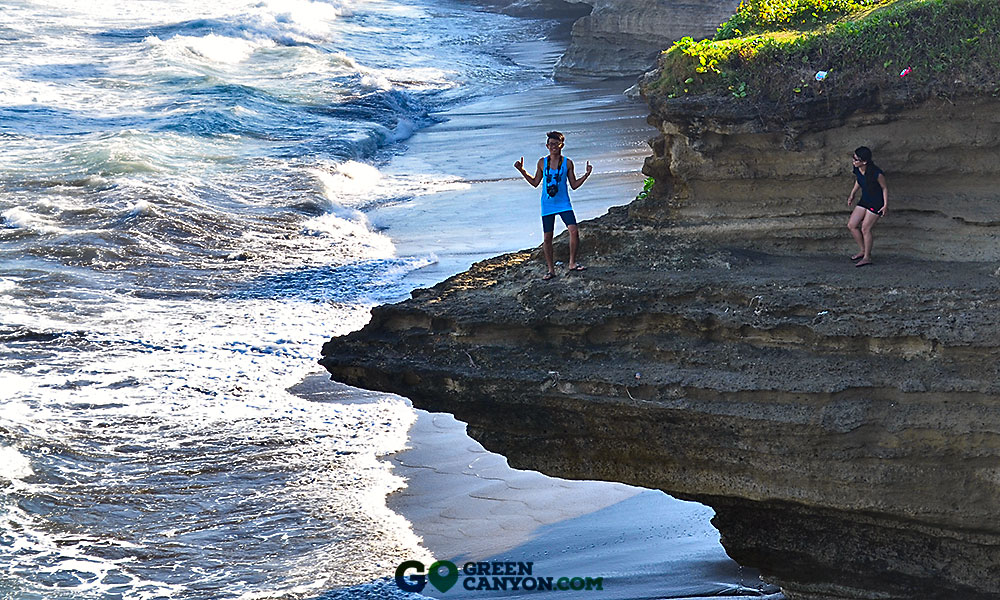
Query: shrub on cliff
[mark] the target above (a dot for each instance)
(772, 50)
(756, 16)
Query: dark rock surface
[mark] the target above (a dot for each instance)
(842, 422)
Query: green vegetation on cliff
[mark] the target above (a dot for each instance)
(782, 51)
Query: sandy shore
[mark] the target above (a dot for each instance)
(466, 504)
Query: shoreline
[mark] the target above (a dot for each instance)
(478, 142)
(464, 502)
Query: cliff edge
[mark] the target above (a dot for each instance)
(721, 347)
(621, 38)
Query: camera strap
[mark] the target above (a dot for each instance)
(553, 180)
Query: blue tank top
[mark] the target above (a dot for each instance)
(555, 180)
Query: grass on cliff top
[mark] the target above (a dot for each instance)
(773, 49)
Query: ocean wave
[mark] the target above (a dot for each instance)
(212, 47)
(361, 283)
(202, 455)
(20, 218)
(362, 186)
(288, 22)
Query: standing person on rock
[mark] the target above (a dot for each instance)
(558, 173)
(874, 203)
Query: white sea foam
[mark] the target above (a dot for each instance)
(19, 92)
(13, 464)
(349, 179)
(214, 373)
(373, 80)
(20, 218)
(404, 130)
(211, 47)
(355, 184)
(35, 550)
(139, 208)
(303, 19)
(354, 233)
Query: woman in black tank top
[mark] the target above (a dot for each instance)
(873, 204)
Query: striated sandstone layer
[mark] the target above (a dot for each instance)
(778, 177)
(623, 37)
(842, 422)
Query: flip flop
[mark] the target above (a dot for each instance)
(863, 264)
(579, 268)
(549, 276)
(857, 256)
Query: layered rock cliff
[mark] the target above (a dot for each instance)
(623, 37)
(721, 347)
(620, 38)
(777, 178)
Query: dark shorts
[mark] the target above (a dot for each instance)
(549, 221)
(871, 206)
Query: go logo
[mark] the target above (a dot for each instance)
(443, 574)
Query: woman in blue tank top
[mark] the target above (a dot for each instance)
(874, 203)
(558, 174)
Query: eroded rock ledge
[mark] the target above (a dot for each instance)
(842, 422)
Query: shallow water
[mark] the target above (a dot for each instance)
(193, 198)
(180, 233)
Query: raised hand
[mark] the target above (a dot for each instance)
(519, 165)
(589, 167)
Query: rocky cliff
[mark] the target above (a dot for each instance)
(777, 177)
(619, 38)
(721, 347)
(623, 37)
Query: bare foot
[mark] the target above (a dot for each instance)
(858, 255)
(863, 263)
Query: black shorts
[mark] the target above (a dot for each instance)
(871, 206)
(549, 221)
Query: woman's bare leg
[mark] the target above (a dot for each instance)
(866, 232)
(854, 226)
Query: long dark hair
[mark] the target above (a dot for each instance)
(871, 178)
